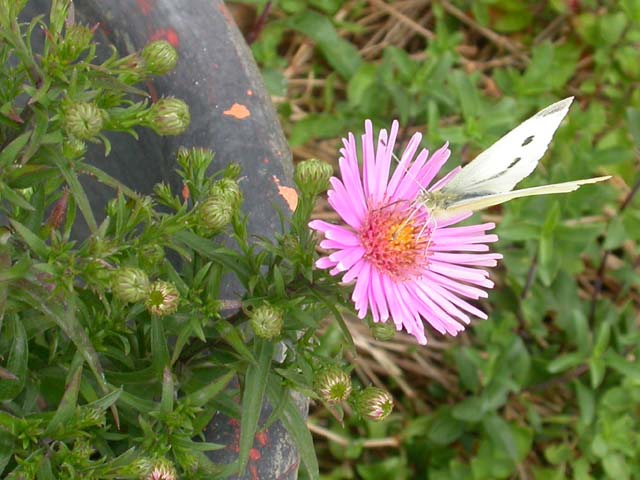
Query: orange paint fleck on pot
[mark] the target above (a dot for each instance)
(254, 455)
(168, 34)
(261, 438)
(145, 6)
(289, 194)
(238, 111)
(185, 192)
(249, 92)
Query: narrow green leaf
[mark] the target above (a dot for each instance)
(7, 443)
(31, 239)
(79, 195)
(253, 394)
(17, 271)
(17, 360)
(341, 323)
(231, 335)
(204, 395)
(107, 179)
(67, 406)
(166, 400)
(586, 403)
(565, 362)
(338, 52)
(222, 256)
(11, 196)
(500, 432)
(9, 153)
(159, 349)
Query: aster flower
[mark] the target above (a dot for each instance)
(407, 267)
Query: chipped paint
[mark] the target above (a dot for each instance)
(168, 34)
(145, 6)
(238, 111)
(289, 194)
(249, 92)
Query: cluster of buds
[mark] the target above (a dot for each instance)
(132, 285)
(333, 385)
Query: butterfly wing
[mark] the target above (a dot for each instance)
(472, 201)
(501, 166)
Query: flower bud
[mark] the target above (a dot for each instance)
(383, 331)
(130, 284)
(228, 191)
(83, 120)
(73, 148)
(133, 69)
(162, 298)
(82, 448)
(160, 57)
(374, 404)
(233, 170)
(151, 255)
(266, 321)
(194, 159)
(168, 116)
(333, 384)
(90, 417)
(162, 469)
(76, 40)
(215, 214)
(312, 176)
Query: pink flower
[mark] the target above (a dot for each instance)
(406, 266)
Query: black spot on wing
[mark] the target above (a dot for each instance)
(513, 163)
(527, 140)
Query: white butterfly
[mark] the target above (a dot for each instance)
(489, 178)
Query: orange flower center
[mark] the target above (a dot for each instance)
(395, 241)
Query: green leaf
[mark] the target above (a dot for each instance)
(220, 255)
(231, 335)
(548, 261)
(9, 153)
(17, 360)
(339, 53)
(79, 195)
(255, 384)
(166, 399)
(13, 197)
(567, 361)
(471, 409)
(445, 429)
(159, 350)
(500, 433)
(7, 445)
(201, 397)
(597, 369)
(31, 239)
(586, 403)
(67, 406)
